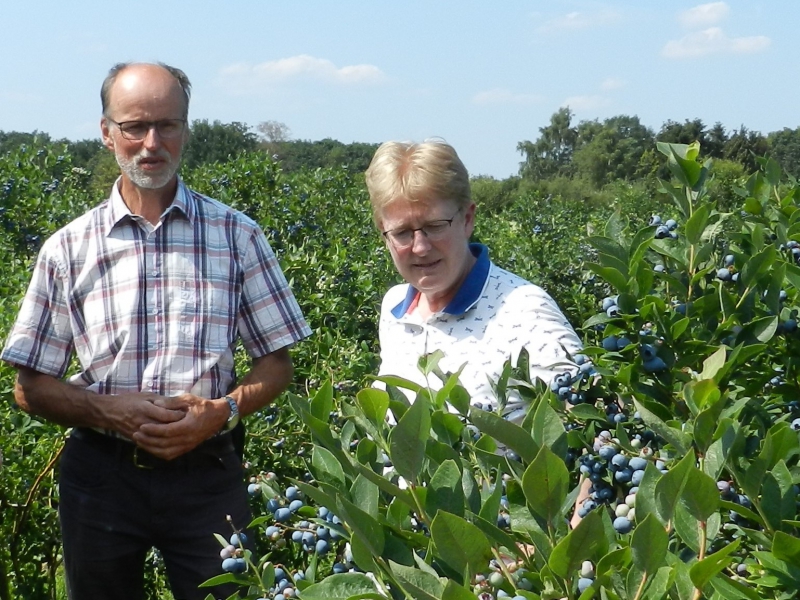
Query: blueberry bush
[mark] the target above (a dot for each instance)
(680, 418)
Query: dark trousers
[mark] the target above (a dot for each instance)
(116, 504)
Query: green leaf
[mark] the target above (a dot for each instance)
(713, 364)
(453, 591)
(400, 382)
(373, 403)
(586, 542)
(646, 496)
(326, 467)
(445, 491)
(419, 584)
(447, 426)
(700, 495)
(407, 440)
(341, 586)
(731, 589)
(546, 484)
(504, 432)
(448, 387)
(386, 486)
(670, 486)
(322, 402)
(548, 429)
(362, 524)
(362, 555)
(757, 266)
(702, 571)
(491, 505)
(696, 225)
(460, 399)
(649, 545)
(364, 494)
(612, 275)
(429, 363)
(460, 544)
(677, 439)
(786, 548)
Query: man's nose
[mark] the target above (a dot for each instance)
(420, 241)
(152, 139)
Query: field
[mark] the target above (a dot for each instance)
(684, 413)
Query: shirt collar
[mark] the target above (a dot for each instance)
(183, 202)
(466, 296)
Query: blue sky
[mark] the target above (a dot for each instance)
(482, 75)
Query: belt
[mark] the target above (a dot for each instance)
(209, 452)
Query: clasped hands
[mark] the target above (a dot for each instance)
(167, 427)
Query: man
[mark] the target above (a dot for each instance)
(151, 291)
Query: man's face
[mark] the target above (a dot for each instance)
(435, 267)
(145, 93)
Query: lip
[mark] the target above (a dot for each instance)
(428, 265)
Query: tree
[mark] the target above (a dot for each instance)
(743, 146)
(613, 150)
(273, 131)
(785, 148)
(551, 153)
(217, 142)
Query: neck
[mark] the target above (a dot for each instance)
(147, 203)
(433, 303)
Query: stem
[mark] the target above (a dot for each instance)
(503, 567)
(703, 540)
(640, 590)
(746, 292)
(379, 561)
(412, 488)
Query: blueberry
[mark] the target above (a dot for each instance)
(296, 505)
(229, 565)
(671, 224)
(655, 365)
(623, 342)
(292, 493)
(648, 351)
(637, 463)
(655, 220)
(584, 583)
(659, 268)
(238, 538)
(253, 489)
(622, 525)
(619, 460)
(610, 343)
(795, 425)
(662, 231)
(282, 515)
(729, 259)
(322, 547)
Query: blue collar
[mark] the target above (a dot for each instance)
(469, 292)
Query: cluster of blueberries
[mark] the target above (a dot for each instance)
(567, 384)
(626, 472)
(232, 555)
(488, 586)
(664, 230)
(651, 362)
(728, 272)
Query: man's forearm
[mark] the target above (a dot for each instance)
(269, 376)
(71, 406)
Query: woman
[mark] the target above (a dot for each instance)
(455, 299)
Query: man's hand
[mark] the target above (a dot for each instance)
(201, 419)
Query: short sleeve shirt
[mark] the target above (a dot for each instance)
(492, 317)
(154, 308)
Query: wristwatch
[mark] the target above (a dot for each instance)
(233, 418)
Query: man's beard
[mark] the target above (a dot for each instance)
(130, 167)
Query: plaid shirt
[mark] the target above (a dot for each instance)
(154, 308)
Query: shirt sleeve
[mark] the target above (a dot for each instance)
(269, 317)
(41, 337)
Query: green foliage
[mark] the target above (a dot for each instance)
(217, 142)
(722, 410)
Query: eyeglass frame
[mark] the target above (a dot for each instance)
(387, 235)
(150, 125)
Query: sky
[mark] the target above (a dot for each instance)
(484, 76)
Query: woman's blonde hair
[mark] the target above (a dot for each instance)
(416, 171)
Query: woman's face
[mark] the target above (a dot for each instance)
(435, 264)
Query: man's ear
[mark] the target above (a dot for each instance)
(105, 132)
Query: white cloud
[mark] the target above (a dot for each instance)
(586, 102)
(713, 41)
(612, 83)
(704, 15)
(245, 76)
(576, 21)
(503, 96)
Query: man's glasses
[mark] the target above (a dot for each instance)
(137, 130)
(403, 237)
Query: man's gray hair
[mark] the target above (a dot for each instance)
(108, 82)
